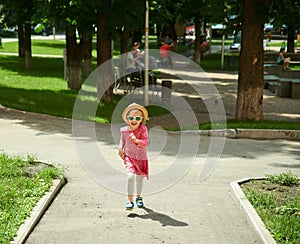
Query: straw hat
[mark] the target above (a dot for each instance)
(135, 106)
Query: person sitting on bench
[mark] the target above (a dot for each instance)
(282, 60)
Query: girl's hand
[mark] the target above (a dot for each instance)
(121, 154)
(133, 138)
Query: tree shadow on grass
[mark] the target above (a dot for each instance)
(41, 66)
(53, 102)
(55, 45)
(163, 219)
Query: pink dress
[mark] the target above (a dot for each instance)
(135, 159)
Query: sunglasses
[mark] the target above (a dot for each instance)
(137, 118)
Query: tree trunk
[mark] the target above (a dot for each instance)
(87, 54)
(27, 47)
(250, 82)
(21, 40)
(124, 37)
(197, 56)
(290, 39)
(158, 34)
(137, 37)
(104, 56)
(74, 60)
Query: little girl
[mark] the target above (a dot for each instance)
(132, 149)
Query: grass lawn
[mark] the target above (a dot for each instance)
(43, 89)
(270, 124)
(22, 184)
(277, 202)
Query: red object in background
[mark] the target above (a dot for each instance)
(164, 50)
(190, 29)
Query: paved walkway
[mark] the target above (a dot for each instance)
(189, 211)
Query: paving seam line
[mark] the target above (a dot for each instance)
(250, 211)
(38, 211)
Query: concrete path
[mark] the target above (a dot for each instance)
(190, 211)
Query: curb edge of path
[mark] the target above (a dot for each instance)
(255, 134)
(250, 211)
(38, 210)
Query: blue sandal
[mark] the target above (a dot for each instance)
(139, 202)
(129, 206)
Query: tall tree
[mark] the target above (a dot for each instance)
(250, 81)
(127, 19)
(286, 12)
(21, 13)
(211, 11)
(74, 58)
(104, 51)
(76, 16)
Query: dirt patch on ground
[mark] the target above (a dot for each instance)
(282, 193)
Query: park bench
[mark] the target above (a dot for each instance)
(295, 62)
(283, 87)
(130, 81)
(137, 80)
(270, 57)
(270, 81)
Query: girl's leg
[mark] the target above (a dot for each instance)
(130, 185)
(139, 185)
(139, 189)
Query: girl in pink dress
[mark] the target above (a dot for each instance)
(132, 149)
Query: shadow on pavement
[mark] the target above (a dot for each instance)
(165, 220)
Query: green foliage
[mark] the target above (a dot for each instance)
(20, 190)
(258, 198)
(7, 34)
(277, 201)
(284, 179)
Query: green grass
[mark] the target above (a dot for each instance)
(43, 89)
(233, 124)
(213, 62)
(53, 47)
(20, 190)
(264, 124)
(277, 202)
(279, 44)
